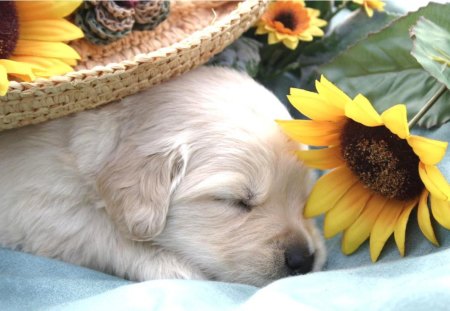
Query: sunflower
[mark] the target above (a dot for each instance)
(289, 22)
(370, 5)
(30, 41)
(380, 172)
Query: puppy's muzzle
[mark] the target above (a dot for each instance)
(298, 259)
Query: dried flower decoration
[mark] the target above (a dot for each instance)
(104, 22)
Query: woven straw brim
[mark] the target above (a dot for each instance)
(140, 61)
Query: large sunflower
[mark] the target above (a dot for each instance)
(370, 5)
(289, 22)
(31, 40)
(380, 171)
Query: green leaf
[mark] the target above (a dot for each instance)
(431, 48)
(355, 28)
(382, 68)
(243, 55)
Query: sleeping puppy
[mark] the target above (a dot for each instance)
(190, 179)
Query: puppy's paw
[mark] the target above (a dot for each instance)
(162, 264)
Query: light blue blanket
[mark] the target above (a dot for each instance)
(421, 281)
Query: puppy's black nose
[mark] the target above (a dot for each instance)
(298, 260)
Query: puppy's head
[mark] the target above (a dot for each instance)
(237, 212)
(229, 194)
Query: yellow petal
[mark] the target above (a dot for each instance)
(441, 211)
(384, 226)
(315, 133)
(50, 30)
(429, 151)
(18, 68)
(346, 210)
(44, 67)
(362, 111)
(305, 37)
(332, 93)
(328, 190)
(360, 230)
(323, 159)
(272, 38)
(395, 119)
(282, 36)
(261, 30)
(68, 61)
(423, 218)
(314, 106)
(19, 77)
(434, 181)
(34, 10)
(369, 11)
(318, 22)
(4, 82)
(45, 49)
(313, 12)
(400, 228)
(376, 4)
(315, 31)
(323, 140)
(290, 44)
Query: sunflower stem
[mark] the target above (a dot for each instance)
(427, 107)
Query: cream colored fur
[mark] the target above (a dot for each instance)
(159, 184)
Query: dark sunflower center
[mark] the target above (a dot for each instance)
(9, 28)
(288, 19)
(383, 162)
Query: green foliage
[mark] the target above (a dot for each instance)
(382, 68)
(304, 61)
(431, 48)
(356, 27)
(373, 56)
(243, 55)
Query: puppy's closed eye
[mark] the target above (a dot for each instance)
(242, 204)
(245, 201)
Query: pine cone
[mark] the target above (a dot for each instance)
(150, 13)
(104, 22)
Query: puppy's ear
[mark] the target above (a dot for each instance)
(136, 187)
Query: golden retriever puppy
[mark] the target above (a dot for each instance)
(190, 179)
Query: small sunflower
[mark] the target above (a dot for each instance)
(380, 171)
(370, 5)
(31, 40)
(289, 22)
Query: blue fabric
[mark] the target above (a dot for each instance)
(413, 284)
(421, 281)
(28, 282)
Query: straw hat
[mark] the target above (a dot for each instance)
(193, 32)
